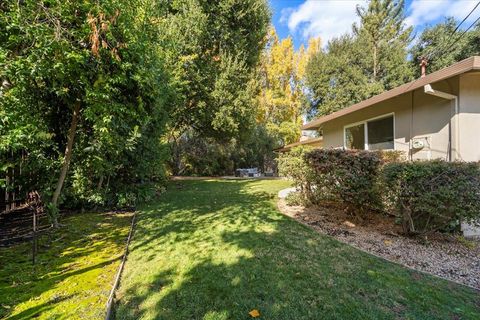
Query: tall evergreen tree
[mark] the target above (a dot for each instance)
(215, 47)
(357, 66)
(336, 79)
(383, 36)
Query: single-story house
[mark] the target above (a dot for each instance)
(434, 117)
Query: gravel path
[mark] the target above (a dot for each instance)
(442, 256)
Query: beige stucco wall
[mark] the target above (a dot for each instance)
(428, 119)
(469, 117)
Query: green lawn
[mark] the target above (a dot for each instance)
(218, 249)
(74, 273)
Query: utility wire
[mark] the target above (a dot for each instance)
(465, 31)
(464, 19)
(450, 43)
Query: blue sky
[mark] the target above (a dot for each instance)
(330, 18)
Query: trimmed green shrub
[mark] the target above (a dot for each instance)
(347, 175)
(432, 195)
(292, 165)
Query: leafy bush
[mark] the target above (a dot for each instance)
(434, 195)
(199, 155)
(292, 165)
(347, 175)
(295, 199)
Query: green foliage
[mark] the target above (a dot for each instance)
(443, 46)
(292, 164)
(384, 40)
(215, 48)
(103, 57)
(426, 196)
(138, 70)
(389, 156)
(198, 155)
(296, 198)
(259, 150)
(358, 66)
(347, 175)
(52, 211)
(73, 275)
(337, 79)
(203, 156)
(434, 195)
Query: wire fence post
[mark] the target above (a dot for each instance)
(33, 200)
(34, 238)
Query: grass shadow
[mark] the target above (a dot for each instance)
(73, 273)
(218, 249)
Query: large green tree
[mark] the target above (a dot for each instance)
(370, 60)
(84, 90)
(336, 79)
(384, 38)
(214, 50)
(443, 44)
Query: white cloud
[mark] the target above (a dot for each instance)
(332, 18)
(421, 12)
(327, 19)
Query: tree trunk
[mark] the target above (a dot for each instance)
(375, 62)
(408, 225)
(67, 158)
(100, 184)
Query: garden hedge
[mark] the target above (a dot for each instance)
(432, 195)
(292, 164)
(347, 175)
(426, 196)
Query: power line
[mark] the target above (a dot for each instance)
(464, 19)
(456, 40)
(466, 30)
(451, 43)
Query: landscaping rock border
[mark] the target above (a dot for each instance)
(442, 256)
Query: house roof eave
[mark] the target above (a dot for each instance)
(469, 64)
(300, 143)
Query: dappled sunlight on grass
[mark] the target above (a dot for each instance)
(216, 315)
(218, 249)
(74, 272)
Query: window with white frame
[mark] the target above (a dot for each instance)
(373, 134)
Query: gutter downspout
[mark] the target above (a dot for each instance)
(429, 90)
(468, 229)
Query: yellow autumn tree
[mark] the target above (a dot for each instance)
(282, 84)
